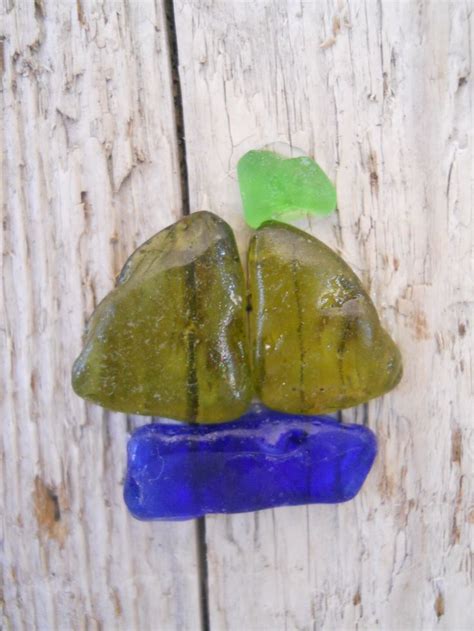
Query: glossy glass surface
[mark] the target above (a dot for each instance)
(317, 341)
(262, 460)
(170, 340)
(273, 186)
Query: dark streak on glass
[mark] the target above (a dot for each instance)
(294, 271)
(191, 341)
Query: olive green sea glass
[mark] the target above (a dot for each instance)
(274, 186)
(318, 345)
(170, 339)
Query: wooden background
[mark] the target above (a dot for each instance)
(118, 116)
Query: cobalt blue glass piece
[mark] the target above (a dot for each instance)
(262, 460)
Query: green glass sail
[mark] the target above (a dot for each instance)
(318, 345)
(170, 340)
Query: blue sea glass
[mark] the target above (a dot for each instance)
(263, 460)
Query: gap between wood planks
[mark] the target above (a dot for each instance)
(203, 577)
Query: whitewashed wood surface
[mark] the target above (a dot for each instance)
(381, 93)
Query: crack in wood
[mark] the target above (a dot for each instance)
(178, 103)
(183, 171)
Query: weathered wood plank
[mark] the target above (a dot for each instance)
(90, 170)
(381, 93)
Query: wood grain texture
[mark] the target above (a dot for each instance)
(381, 93)
(90, 170)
